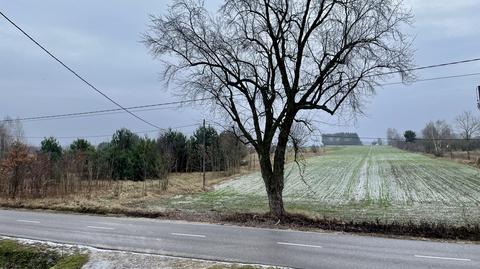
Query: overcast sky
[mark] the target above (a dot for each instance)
(101, 40)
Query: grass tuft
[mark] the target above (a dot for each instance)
(75, 261)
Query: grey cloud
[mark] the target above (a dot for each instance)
(100, 39)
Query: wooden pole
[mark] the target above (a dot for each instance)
(478, 97)
(204, 155)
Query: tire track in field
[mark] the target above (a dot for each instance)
(382, 193)
(386, 183)
(375, 181)
(359, 182)
(344, 188)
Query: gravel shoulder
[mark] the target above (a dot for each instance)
(108, 259)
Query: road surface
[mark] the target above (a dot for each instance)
(237, 244)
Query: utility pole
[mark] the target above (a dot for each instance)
(478, 97)
(204, 155)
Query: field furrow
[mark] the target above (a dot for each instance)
(369, 183)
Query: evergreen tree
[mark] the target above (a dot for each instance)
(52, 148)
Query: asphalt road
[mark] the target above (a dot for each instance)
(240, 244)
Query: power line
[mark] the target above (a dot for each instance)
(193, 100)
(109, 135)
(120, 111)
(80, 114)
(75, 73)
(445, 64)
(322, 135)
(430, 66)
(106, 111)
(156, 106)
(434, 78)
(327, 136)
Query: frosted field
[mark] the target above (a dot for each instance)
(380, 175)
(362, 183)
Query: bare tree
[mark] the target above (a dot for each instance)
(393, 137)
(437, 135)
(469, 126)
(268, 62)
(5, 140)
(11, 131)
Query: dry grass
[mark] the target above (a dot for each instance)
(143, 196)
(462, 157)
(133, 198)
(124, 196)
(459, 157)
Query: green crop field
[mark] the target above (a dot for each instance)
(360, 183)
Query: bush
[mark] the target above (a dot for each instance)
(15, 169)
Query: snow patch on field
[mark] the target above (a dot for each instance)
(375, 176)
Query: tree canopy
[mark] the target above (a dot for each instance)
(268, 63)
(81, 146)
(343, 139)
(51, 147)
(410, 136)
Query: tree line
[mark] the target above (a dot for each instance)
(341, 139)
(54, 170)
(439, 137)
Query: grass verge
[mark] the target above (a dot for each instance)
(14, 255)
(423, 229)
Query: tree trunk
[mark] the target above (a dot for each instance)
(273, 176)
(273, 186)
(468, 148)
(275, 198)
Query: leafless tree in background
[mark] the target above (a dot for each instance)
(469, 126)
(5, 140)
(393, 137)
(267, 62)
(11, 131)
(437, 135)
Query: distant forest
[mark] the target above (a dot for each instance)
(341, 139)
